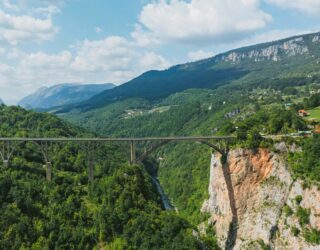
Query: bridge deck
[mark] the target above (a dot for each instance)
(128, 139)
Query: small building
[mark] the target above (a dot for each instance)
(288, 106)
(303, 113)
(316, 129)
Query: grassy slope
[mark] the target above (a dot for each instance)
(314, 114)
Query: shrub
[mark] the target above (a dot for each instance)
(287, 211)
(303, 215)
(312, 236)
(295, 231)
(298, 199)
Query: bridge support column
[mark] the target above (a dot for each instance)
(133, 153)
(6, 163)
(91, 172)
(48, 171)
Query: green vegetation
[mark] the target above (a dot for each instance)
(312, 102)
(298, 199)
(195, 112)
(287, 211)
(312, 236)
(120, 210)
(271, 119)
(306, 164)
(263, 245)
(246, 74)
(303, 215)
(123, 210)
(295, 231)
(314, 114)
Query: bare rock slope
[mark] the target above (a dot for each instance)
(250, 196)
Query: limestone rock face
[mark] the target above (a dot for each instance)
(247, 197)
(276, 52)
(316, 39)
(310, 201)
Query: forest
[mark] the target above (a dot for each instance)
(121, 209)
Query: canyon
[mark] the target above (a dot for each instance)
(250, 196)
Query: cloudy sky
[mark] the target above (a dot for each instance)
(47, 42)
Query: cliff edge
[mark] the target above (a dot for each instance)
(255, 203)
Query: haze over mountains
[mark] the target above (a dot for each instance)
(280, 61)
(62, 94)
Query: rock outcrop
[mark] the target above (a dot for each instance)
(274, 52)
(247, 197)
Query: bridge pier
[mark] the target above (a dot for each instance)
(91, 147)
(91, 172)
(48, 171)
(132, 153)
(6, 151)
(6, 163)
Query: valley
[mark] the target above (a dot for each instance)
(261, 194)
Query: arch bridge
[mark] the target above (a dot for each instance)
(9, 145)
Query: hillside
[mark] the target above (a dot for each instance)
(279, 63)
(120, 210)
(62, 94)
(248, 107)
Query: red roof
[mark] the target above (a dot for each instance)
(302, 111)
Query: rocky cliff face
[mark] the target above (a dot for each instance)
(248, 197)
(274, 52)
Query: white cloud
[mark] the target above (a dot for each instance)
(306, 6)
(271, 35)
(10, 6)
(113, 59)
(143, 38)
(47, 11)
(16, 28)
(199, 54)
(201, 21)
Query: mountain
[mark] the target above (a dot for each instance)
(1, 102)
(62, 94)
(277, 62)
(272, 75)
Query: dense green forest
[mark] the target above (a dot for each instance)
(121, 209)
(252, 113)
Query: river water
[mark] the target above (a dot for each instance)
(165, 200)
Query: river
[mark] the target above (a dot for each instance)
(165, 200)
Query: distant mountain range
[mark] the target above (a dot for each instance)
(1, 102)
(62, 94)
(283, 62)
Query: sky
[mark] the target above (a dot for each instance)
(49, 42)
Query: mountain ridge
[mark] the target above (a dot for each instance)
(62, 94)
(216, 71)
